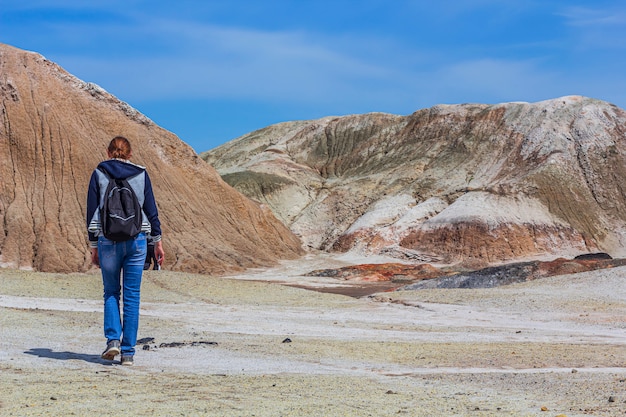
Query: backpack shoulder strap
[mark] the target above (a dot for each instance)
(138, 184)
(104, 179)
(104, 171)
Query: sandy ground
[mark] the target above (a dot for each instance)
(256, 345)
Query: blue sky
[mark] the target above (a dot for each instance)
(210, 71)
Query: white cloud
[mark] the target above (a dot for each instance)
(207, 60)
(594, 17)
(597, 28)
(140, 57)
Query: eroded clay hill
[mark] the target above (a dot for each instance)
(470, 184)
(54, 132)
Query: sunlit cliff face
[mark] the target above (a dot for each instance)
(475, 184)
(54, 132)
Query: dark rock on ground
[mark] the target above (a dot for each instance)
(516, 272)
(422, 276)
(599, 255)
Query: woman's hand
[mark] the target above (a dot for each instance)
(159, 253)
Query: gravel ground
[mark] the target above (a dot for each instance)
(255, 345)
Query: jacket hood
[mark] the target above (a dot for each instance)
(119, 169)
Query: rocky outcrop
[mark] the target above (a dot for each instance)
(456, 184)
(513, 273)
(402, 276)
(54, 131)
(391, 272)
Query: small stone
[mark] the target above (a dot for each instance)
(574, 371)
(544, 408)
(611, 399)
(53, 398)
(287, 340)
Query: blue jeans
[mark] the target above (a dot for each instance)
(122, 265)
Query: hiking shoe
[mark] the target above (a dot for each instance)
(112, 350)
(127, 360)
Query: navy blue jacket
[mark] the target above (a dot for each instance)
(139, 181)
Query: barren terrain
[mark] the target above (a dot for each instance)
(258, 344)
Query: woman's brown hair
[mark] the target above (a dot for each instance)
(119, 148)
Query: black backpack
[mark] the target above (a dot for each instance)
(120, 214)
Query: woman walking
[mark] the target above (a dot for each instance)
(121, 261)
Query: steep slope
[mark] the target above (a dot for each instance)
(472, 184)
(54, 132)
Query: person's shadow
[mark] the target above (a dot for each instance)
(64, 356)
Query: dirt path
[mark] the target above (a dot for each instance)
(244, 346)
